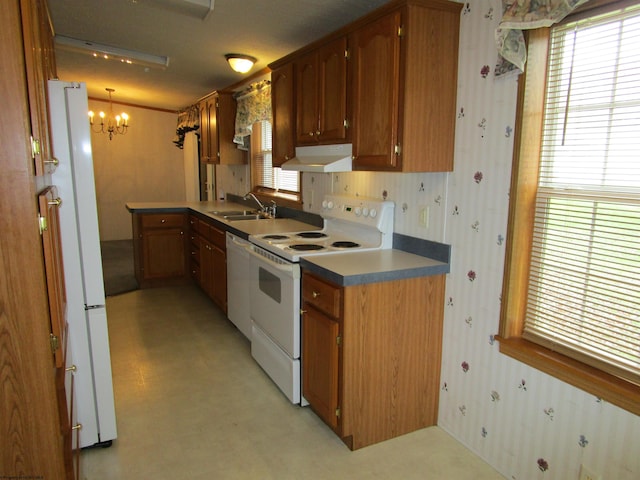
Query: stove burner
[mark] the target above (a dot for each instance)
(345, 244)
(275, 237)
(311, 235)
(305, 246)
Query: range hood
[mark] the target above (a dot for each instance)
(321, 158)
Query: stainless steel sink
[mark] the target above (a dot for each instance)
(253, 216)
(227, 213)
(233, 215)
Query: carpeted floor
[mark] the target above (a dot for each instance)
(117, 266)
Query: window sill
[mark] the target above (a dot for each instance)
(612, 389)
(283, 200)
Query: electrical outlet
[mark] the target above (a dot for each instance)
(587, 474)
(424, 217)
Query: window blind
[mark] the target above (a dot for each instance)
(264, 174)
(584, 294)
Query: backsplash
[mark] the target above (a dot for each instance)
(524, 423)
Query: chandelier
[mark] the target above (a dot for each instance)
(111, 124)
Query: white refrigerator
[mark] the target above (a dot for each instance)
(86, 312)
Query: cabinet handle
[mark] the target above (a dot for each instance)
(77, 427)
(56, 201)
(72, 368)
(315, 294)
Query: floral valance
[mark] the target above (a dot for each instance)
(524, 15)
(254, 105)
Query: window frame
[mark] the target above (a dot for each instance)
(283, 198)
(524, 183)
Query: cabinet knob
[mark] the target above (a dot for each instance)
(311, 134)
(54, 161)
(318, 132)
(72, 368)
(78, 426)
(302, 311)
(315, 294)
(162, 221)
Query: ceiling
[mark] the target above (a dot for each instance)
(265, 29)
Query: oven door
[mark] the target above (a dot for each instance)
(275, 299)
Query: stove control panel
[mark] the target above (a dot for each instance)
(365, 211)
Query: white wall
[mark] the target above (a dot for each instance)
(510, 414)
(142, 166)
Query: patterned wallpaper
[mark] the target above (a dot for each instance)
(524, 423)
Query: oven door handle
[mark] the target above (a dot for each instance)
(288, 267)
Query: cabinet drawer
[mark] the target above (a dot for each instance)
(193, 224)
(204, 229)
(218, 238)
(156, 220)
(322, 295)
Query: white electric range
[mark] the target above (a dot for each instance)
(350, 224)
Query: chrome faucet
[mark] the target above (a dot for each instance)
(251, 195)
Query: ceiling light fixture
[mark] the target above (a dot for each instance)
(108, 52)
(240, 63)
(111, 124)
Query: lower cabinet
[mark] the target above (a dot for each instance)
(160, 243)
(208, 259)
(174, 248)
(371, 355)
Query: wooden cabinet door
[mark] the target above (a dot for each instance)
(48, 203)
(214, 147)
(205, 152)
(332, 92)
(376, 94)
(320, 364)
(206, 267)
(282, 106)
(163, 253)
(40, 67)
(307, 99)
(225, 127)
(219, 277)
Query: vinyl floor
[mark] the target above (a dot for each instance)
(192, 404)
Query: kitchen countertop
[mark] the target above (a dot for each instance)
(411, 257)
(373, 266)
(242, 228)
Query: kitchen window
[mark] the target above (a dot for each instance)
(571, 300)
(265, 178)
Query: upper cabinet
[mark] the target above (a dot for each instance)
(283, 112)
(217, 127)
(321, 85)
(394, 93)
(404, 85)
(375, 65)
